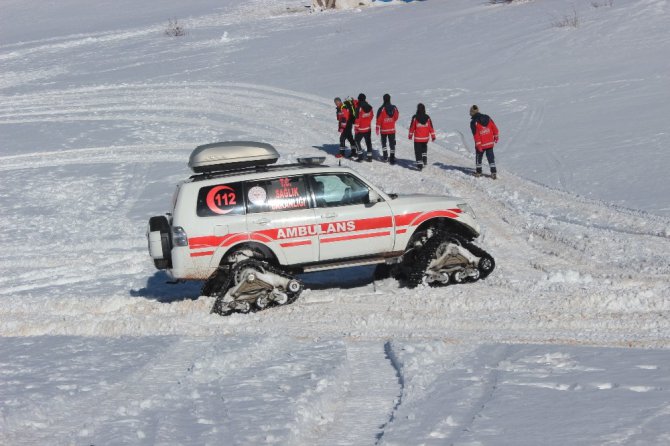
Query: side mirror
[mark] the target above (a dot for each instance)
(374, 197)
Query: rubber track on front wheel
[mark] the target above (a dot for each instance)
(218, 306)
(423, 258)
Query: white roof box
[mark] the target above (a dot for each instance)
(231, 155)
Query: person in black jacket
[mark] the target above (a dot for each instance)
(344, 125)
(349, 113)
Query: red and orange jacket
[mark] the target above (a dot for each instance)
(421, 129)
(386, 118)
(485, 132)
(363, 122)
(342, 115)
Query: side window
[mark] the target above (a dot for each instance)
(220, 199)
(338, 190)
(277, 194)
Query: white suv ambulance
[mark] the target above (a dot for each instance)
(248, 226)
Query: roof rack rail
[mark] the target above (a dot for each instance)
(250, 169)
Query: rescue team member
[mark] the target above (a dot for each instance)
(363, 127)
(421, 129)
(348, 109)
(485, 133)
(387, 115)
(342, 115)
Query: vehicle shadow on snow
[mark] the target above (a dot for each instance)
(158, 289)
(343, 278)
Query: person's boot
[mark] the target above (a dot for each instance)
(385, 156)
(353, 154)
(494, 175)
(369, 158)
(419, 166)
(392, 159)
(478, 174)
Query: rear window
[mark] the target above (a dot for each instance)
(277, 194)
(221, 199)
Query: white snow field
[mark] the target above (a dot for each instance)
(565, 343)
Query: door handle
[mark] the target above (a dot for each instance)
(262, 221)
(329, 215)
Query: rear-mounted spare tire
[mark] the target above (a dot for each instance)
(161, 224)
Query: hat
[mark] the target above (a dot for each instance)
(337, 99)
(474, 110)
(387, 97)
(361, 97)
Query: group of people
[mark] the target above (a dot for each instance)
(355, 117)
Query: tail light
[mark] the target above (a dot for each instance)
(179, 237)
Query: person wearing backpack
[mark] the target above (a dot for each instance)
(421, 129)
(387, 115)
(349, 114)
(485, 132)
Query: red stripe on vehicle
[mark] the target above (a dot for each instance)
(259, 237)
(298, 243)
(404, 220)
(373, 223)
(401, 231)
(202, 254)
(236, 238)
(356, 236)
(434, 214)
(206, 241)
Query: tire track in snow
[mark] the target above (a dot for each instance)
(371, 397)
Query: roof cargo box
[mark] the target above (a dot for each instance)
(231, 155)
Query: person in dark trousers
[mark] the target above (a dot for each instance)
(421, 129)
(348, 114)
(485, 132)
(340, 115)
(363, 127)
(387, 115)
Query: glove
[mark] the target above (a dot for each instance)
(410, 136)
(377, 130)
(479, 148)
(495, 139)
(433, 138)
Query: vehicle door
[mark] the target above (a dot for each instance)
(280, 215)
(349, 226)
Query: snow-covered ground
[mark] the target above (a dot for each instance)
(566, 343)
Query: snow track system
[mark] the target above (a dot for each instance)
(445, 258)
(251, 285)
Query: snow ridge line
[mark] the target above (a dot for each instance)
(396, 364)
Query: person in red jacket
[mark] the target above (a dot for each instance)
(387, 115)
(363, 126)
(344, 126)
(485, 132)
(421, 129)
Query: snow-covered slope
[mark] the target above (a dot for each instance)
(100, 111)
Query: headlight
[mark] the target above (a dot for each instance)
(467, 209)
